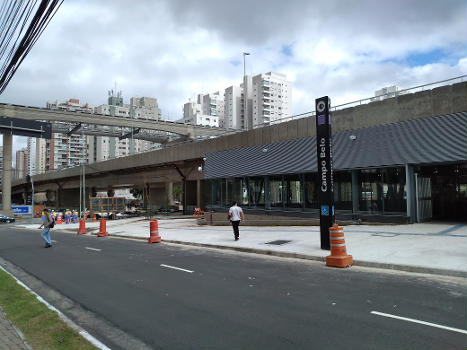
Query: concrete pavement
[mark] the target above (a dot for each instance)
(10, 337)
(439, 248)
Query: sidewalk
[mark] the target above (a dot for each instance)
(437, 248)
(9, 336)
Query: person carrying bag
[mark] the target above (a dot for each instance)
(47, 224)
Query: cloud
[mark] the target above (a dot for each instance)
(174, 49)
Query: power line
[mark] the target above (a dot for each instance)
(22, 22)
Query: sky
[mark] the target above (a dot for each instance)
(175, 49)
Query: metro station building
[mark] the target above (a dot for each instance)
(400, 168)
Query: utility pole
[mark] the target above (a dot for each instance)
(245, 104)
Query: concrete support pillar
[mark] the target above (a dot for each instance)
(59, 197)
(6, 179)
(410, 189)
(169, 189)
(184, 196)
(355, 191)
(198, 193)
(267, 197)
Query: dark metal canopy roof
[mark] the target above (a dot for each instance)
(439, 139)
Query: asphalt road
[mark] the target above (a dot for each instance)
(179, 297)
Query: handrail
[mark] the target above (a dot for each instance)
(364, 100)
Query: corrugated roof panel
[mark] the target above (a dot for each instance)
(429, 140)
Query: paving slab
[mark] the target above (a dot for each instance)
(426, 247)
(10, 336)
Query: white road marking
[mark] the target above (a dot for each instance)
(176, 268)
(54, 241)
(421, 322)
(95, 249)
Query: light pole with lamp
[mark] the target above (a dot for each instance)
(245, 105)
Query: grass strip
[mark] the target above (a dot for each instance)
(42, 327)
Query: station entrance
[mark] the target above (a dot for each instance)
(441, 192)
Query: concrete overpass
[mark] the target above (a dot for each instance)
(157, 170)
(35, 113)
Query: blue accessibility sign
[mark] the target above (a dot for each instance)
(325, 210)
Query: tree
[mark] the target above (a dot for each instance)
(137, 192)
(176, 191)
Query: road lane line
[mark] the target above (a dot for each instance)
(176, 268)
(95, 249)
(421, 322)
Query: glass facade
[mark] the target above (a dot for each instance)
(369, 191)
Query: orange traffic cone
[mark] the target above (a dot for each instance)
(339, 256)
(82, 227)
(59, 219)
(154, 232)
(94, 219)
(102, 229)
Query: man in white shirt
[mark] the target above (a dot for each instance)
(235, 216)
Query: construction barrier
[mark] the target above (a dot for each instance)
(102, 229)
(198, 212)
(339, 256)
(154, 232)
(82, 227)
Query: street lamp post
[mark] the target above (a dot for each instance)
(245, 105)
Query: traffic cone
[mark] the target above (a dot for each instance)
(82, 227)
(154, 232)
(339, 256)
(59, 220)
(94, 219)
(102, 229)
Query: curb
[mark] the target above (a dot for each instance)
(94, 341)
(362, 263)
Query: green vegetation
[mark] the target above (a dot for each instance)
(42, 327)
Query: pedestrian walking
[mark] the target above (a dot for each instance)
(235, 216)
(47, 224)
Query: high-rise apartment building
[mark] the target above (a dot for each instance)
(205, 111)
(213, 105)
(144, 108)
(103, 147)
(208, 110)
(71, 105)
(272, 98)
(21, 163)
(36, 156)
(233, 108)
(63, 151)
(268, 99)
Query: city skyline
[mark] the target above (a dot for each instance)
(345, 51)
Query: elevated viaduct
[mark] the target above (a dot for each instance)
(156, 171)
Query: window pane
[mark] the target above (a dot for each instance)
(343, 190)
(370, 190)
(276, 192)
(394, 191)
(294, 191)
(256, 191)
(311, 191)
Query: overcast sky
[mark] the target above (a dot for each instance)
(174, 49)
